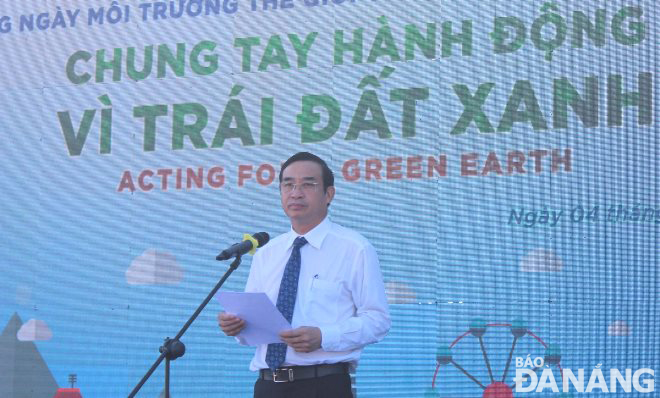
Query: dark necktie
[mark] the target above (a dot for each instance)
(286, 301)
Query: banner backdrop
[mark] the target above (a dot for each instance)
(501, 156)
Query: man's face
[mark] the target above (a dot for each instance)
(307, 204)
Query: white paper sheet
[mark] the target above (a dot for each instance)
(263, 321)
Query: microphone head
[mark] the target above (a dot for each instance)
(262, 238)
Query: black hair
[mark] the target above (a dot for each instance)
(326, 173)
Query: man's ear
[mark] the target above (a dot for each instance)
(329, 194)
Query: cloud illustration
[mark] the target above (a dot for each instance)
(619, 328)
(400, 293)
(154, 267)
(34, 330)
(541, 260)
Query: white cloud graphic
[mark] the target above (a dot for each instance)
(34, 330)
(400, 293)
(541, 260)
(619, 328)
(154, 267)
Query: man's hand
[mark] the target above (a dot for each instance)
(230, 324)
(303, 339)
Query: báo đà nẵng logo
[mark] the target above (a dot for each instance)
(533, 372)
(528, 380)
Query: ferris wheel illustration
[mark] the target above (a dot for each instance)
(497, 387)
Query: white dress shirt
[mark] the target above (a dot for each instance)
(340, 291)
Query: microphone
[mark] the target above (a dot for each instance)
(249, 245)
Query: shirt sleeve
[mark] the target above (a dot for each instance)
(252, 285)
(371, 320)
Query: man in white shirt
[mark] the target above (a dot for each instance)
(327, 280)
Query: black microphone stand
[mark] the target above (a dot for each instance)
(174, 348)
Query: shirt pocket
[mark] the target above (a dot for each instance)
(324, 299)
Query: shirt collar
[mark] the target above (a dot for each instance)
(315, 236)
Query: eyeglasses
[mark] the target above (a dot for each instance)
(306, 187)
